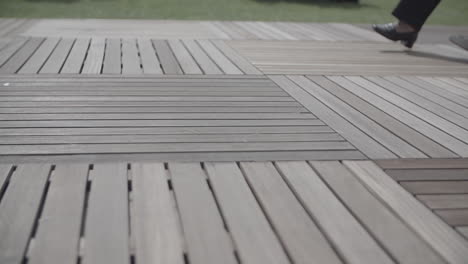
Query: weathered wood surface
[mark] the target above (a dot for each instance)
(279, 212)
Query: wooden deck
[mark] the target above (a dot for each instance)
(214, 142)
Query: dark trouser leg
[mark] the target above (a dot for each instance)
(415, 12)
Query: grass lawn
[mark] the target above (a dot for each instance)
(449, 12)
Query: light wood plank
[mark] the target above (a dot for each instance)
(238, 60)
(76, 58)
(34, 64)
(186, 62)
(166, 57)
(155, 224)
(401, 242)
(19, 208)
(11, 48)
(349, 238)
(224, 63)
(56, 60)
(107, 228)
(94, 57)
(207, 240)
(428, 174)
(17, 60)
(424, 164)
(253, 237)
(130, 59)
(438, 234)
(463, 230)
(300, 235)
(58, 235)
(5, 172)
(112, 57)
(205, 63)
(149, 60)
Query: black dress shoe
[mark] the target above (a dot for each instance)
(389, 31)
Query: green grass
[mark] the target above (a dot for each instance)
(449, 12)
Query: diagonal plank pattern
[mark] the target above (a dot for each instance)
(252, 212)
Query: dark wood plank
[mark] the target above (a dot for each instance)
(34, 64)
(166, 58)
(402, 243)
(57, 58)
(445, 201)
(435, 187)
(155, 222)
(76, 58)
(149, 60)
(130, 60)
(207, 240)
(441, 237)
(454, 217)
(19, 208)
(112, 57)
(57, 239)
(20, 57)
(346, 233)
(423, 164)
(301, 237)
(428, 174)
(254, 238)
(107, 227)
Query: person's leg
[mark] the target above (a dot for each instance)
(414, 12)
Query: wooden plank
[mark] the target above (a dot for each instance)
(401, 130)
(356, 137)
(212, 103)
(170, 147)
(432, 229)
(145, 98)
(435, 187)
(445, 201)
(207, 240)
(149, 60)
(8, 51)
(223, 63)
(446, 86)
(166, 57)
(57, 58)
(349, 238)
(94, 57)
(130, 60)
(365, 90)
(16, 61)
(301, 237)
(34, 64)
(136, 92)
(454, 217)
(102, 139)
(253, 237)
(463, 230)
(238, 60)
(155, 223)
(361, 121)
(428, 174)
(186, 62)
(424, 164)
(112, 57)
(19, 209)
(5, 172)
(205, 63)
(107, 228)
(58, 236)
(76, 58)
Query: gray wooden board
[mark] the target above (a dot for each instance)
(5, 171)
(207, 240)
(148, 104)
(169, 147)
(347, 235)
(166, 57)
(185, 59)
(463, 230)
(94, 57)
(356, 137)
(76, 58)
(424, 164)
(26, 189)
(34, 64)
(148, 93)
(224, 63)
(130, 60)
(445, 201)
(401, 242)
(12, 47)
(205, 63)
(253, 237)
(450, 245)
(103, 139)
(401, 130)
(112, 57)
(56, 60)
(107, 227)
(435, 187)
(301, 237)
(149, 60)
(238, 60)
(428, 174)
(454, 217)
(59, 229)
(20, 57)
(365, 91)
(155, 224)
(145, 98)
(446, 86)
(365, 124)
